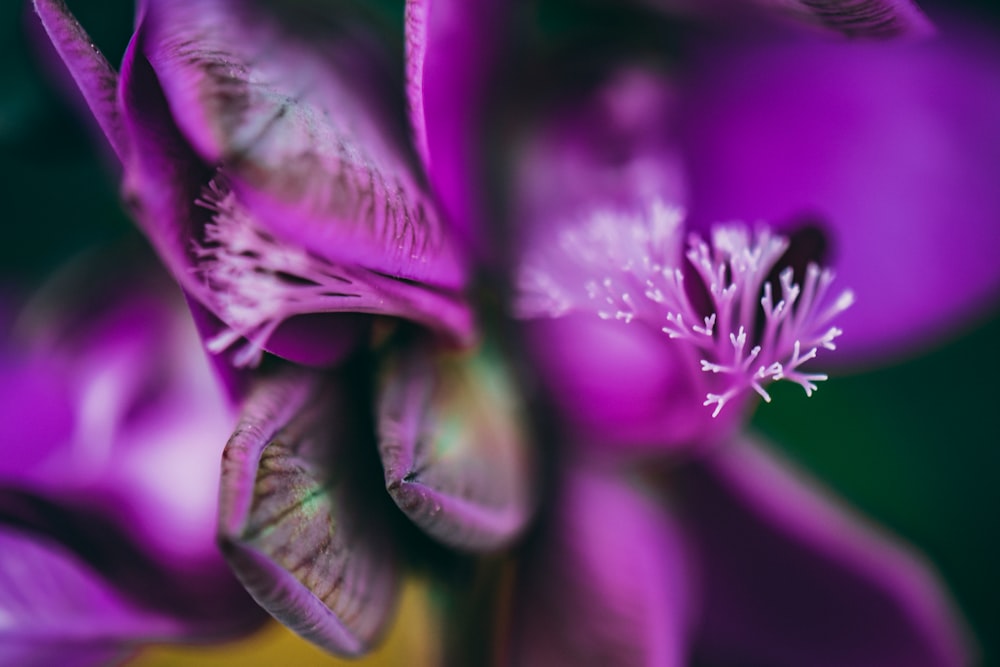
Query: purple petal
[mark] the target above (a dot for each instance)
(165, 179)
(791, 578)
(890, 148)
(869, 18)
(622, 386)
(878, 19)
(448, 97)
(57, 609)
(117, 433)
(70, 577)
(611, 585)
(457, 460)
(303, 120)
(291, 525)
(96, 79)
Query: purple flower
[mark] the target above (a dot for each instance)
(688, 232)
(107, 486)
(265, 156)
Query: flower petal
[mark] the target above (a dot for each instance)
(72, 578)
(303, 119)
(96, 79)
(448, 95)
(610, 586)
(457, 460)
(890, 148)
(164, 180)
(56, 610)
(868, 18)
(878, 19)
(291, 521)
(791, 578)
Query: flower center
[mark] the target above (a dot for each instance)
(257, 282)
(715, 298)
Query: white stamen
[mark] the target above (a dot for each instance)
(256, 281)
(647, 285)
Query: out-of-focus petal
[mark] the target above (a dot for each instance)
(601, 161)
(72, 578)
(891, 148)
(790, 578)
(55, 608)
(610, 585)
(451, 436)
(452, 49)
(164, 180)
(96, 79)
(609, 150)
(623, 386)
(300, 110)
(110, 477)
(870, 19)
(292, 526)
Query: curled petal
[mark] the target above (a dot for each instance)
(610, 586)
(790, 578)
(457, 460)
(448, 96)
(868, 19)
(303, 119)
(292, 524)
(96, 79)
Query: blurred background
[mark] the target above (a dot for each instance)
(914, 446)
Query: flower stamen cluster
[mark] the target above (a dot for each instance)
(255, 281)
(730, 317)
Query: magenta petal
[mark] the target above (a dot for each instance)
(448, 95)
(610, 586)
(791, 578)
(622, 387)
(891, 148)
(451, 436)
(96, 79)
(291, 525)
(71, 577)
(872, 18)
(877, 19)
(303, 121)
(56, 608)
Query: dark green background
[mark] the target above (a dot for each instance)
(914, 446)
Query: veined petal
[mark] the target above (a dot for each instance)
(280, 296)
(888, 148)
(96, 79)
(791, 578)
(303, 120)
(878, 19)
(447, 97)
(857, 18)
(611, 584)
(457, 459)
(291, 523)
